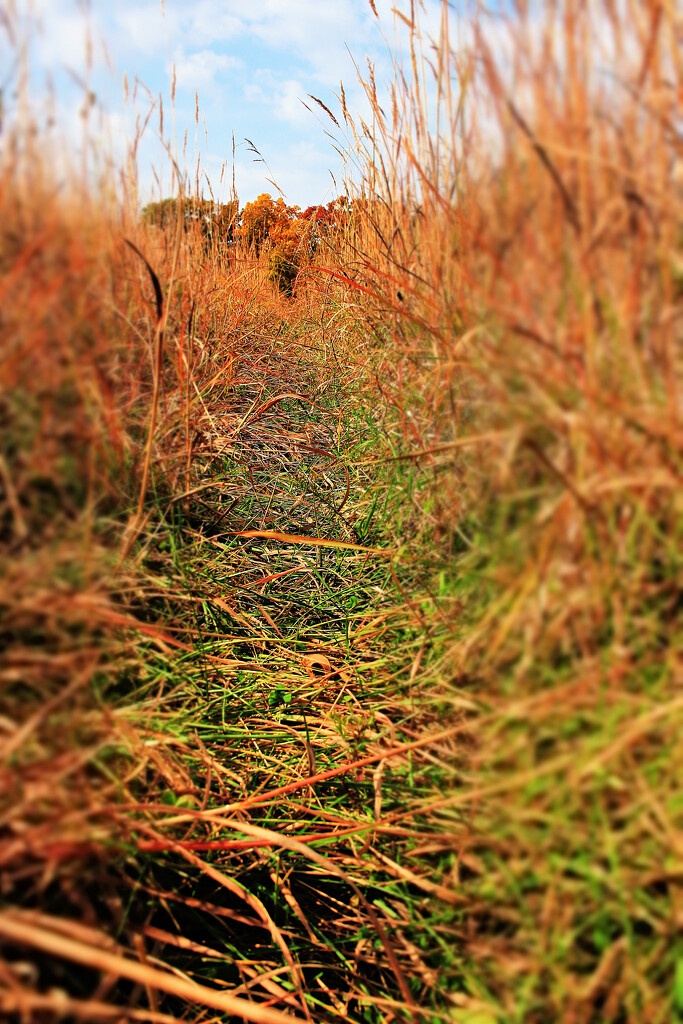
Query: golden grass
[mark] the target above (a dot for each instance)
(503, 313)
(540, 300)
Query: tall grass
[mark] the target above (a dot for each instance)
(341, 665)
(526, 305)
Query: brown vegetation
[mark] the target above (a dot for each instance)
(341, 664)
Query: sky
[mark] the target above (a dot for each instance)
(243, 69)
(250, 62)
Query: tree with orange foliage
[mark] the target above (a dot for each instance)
(322, 219)
(289, 236)
(271, 226)
(263, 220)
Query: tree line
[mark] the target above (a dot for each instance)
(287, 235)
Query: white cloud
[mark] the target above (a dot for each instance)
(290, 101)
(206, 22)
(140, 28)
(200, 69)
(313, 30)
(287, 102)
(283, 96)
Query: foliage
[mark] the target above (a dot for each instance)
(270, 226)
(163, 213)
(215, 222)
(324, 220)
(218, 222)
(264, 221)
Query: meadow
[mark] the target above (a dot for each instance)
(340, 650)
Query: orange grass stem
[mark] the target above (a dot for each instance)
(148, 845)
(321, 542)
(403, 748)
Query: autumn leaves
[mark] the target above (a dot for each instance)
(288, 236)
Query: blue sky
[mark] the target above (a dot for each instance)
(251, 62)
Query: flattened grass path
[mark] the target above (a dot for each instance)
(299, 669)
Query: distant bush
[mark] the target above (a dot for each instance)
(215, 222)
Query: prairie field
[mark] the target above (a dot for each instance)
(341, 582)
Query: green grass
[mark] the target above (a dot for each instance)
(270, 718)
(279, 676)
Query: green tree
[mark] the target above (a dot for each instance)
(216, 223)
(162, 214)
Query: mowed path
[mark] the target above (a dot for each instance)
(305, 654)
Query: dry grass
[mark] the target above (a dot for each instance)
(543, 294)
(341, 662)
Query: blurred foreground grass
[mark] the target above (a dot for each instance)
(341, 670)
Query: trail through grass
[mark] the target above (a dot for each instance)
(297, 672)
(275, 693)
